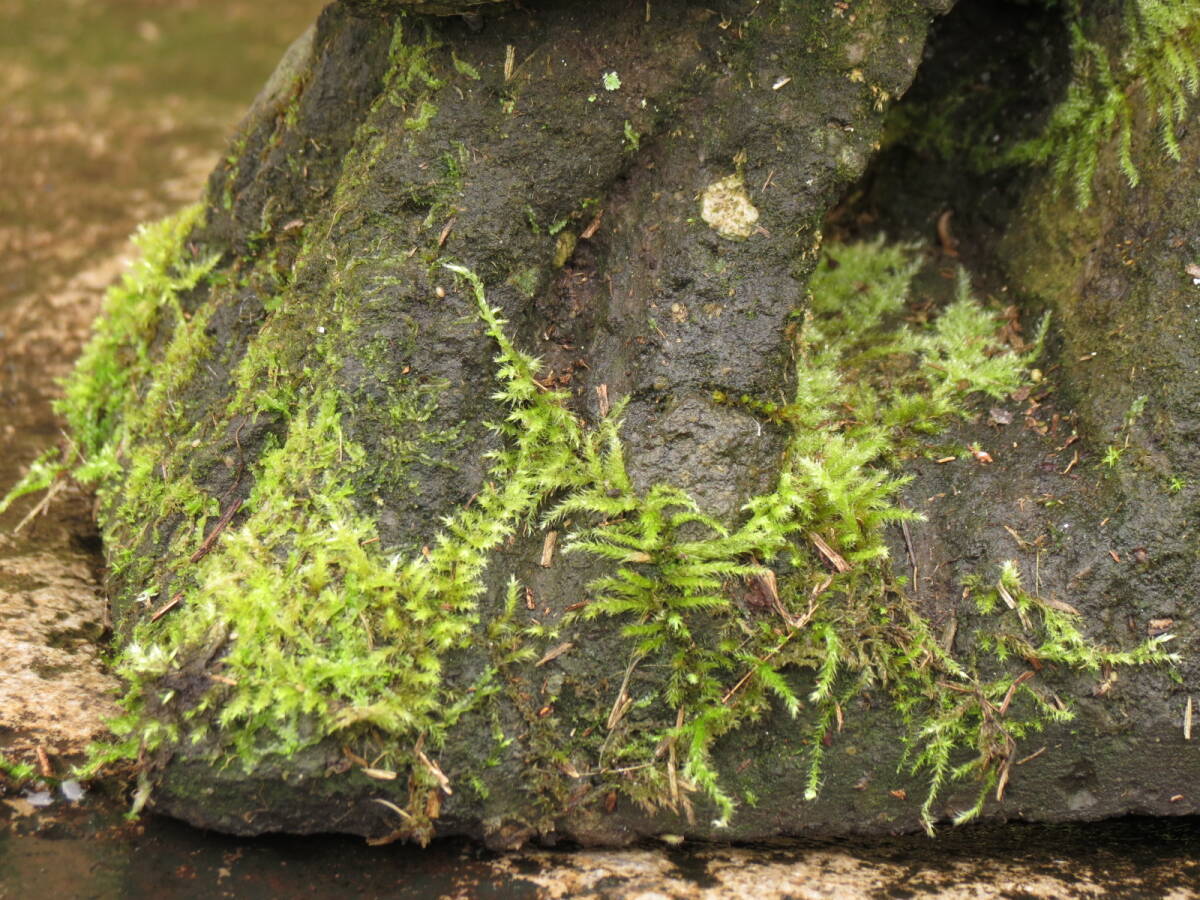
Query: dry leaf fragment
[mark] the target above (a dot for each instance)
(945, 237)
(766, 579)
(44, 765)
(548, 549)
(602, 396)
(1012, 604)
(1106, 684)
(554, 653)
(619, 708)
(835, 559)
(1003, 782)
(1006, 596)
(393, 807)
(435, 770)
(1074, 461)
(949, 633)
(20, 806)
(1155, 627)
(379, 774)
(998, 416)
(592, 226)
(1021, 542)
(1061, 606)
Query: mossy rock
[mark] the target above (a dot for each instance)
(337, 490)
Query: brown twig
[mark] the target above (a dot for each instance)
(750, 674)
(1032, 756)
(554, 654)
(548, 549)
(1012, 689)
(592, 226)
(912, 557)
(167, 607)
(45, 767)
(41, 506)
(209, 541)
(835, 559)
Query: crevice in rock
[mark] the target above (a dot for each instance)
(991, 73)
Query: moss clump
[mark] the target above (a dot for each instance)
(1154, 74)
(410, 80)
(99, 394)
(16, 772)
(113, 390)
(867, 386)
(297, 627)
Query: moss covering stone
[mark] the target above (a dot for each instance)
(379, 569)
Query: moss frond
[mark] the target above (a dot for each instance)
(1156, 71)
(307, 629)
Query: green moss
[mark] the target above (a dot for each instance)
(423, 116)
(16, 772)
(867, 387)
(405, 435)
(41, 474)
(410, 78)
(113, 395)
(317, 630)
(527, 280)
(232, 167)
(1153, 73)
(299, 626)
(462, 67)
(116, 362)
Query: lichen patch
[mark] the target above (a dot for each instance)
(727, 209)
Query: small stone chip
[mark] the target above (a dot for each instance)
(727, 209)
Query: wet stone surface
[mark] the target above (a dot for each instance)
(86, 850)
(82, 159)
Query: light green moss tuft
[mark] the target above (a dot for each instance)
(116, 362)
(1156, 75)
(112, 391)
(297, 626)
(866, 386)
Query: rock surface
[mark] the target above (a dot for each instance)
(325, 368)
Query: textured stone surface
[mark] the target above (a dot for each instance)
(532, 126)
